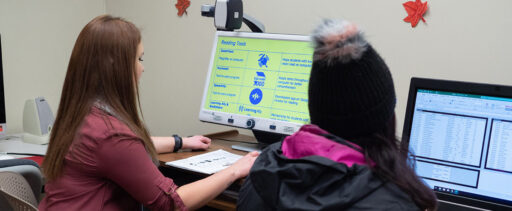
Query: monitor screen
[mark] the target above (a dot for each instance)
(462, 141)
(2, 98)
(258, 81)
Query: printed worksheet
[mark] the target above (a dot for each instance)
(207, 163)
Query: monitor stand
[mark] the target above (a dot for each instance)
(264, 139)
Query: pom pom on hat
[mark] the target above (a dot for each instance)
(351, 91)
(338, 40)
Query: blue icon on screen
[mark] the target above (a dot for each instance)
(256, 96)
(263, 60)
(259, 79)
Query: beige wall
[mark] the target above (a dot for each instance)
(37, 39)
(467, 40)
(176, 58)
(461, 41)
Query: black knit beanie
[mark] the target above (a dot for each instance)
(351, 91)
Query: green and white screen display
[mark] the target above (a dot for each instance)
(260, 76)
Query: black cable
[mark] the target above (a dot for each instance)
(29, 154)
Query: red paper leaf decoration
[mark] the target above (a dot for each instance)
(415, 11)
(182, 6)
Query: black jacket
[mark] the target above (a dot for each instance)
(316, 183)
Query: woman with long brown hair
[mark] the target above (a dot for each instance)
(101, 156)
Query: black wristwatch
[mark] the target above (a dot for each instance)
(178, 143)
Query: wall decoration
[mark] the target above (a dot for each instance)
(415, 11)
(182, 6)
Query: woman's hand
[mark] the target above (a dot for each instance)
(242, 167)
(196, 142)
(198, 193)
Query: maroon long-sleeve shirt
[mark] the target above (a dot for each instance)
(107, 168)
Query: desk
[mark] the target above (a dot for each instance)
(219, 141)
(15, 145)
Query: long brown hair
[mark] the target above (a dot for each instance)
(394, 163)
(102, 66)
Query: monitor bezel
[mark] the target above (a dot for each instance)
(459, 87)
(262, 124)
(3, 119)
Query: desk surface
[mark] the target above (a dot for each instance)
(222, 140)
(15, 145)
(219, 141)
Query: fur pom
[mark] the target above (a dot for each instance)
(338, 40)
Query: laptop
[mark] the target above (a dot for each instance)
(460, 134)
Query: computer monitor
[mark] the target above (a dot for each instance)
(258, 81)
(461, 137)
(2, 98)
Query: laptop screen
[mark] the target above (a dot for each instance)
(463, 143)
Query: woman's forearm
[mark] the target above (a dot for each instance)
(197, 194)
(163, 144)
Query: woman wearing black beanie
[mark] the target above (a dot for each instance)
(349, 157)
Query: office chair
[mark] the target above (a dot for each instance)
(16, 190)
(20, 184)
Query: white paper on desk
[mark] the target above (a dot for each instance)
(207, 163)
